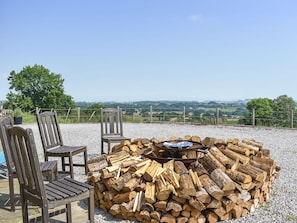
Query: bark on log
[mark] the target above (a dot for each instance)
(233, 155)
(220, 156)
(239, 176)
(180, 168)
(222, 180)
(211, 163)
(186, 185)
(211, 187)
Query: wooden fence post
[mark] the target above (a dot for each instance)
(78, 114)
(151, 114)
(292, 119)
(253, 117)
(184, 114)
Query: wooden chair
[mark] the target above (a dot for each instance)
(33, 188)
(49, 169)
(111, 127)
(52, 142)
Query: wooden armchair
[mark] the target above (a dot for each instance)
(111, 127)
(53, 145)
(48, 169)
(32, 187)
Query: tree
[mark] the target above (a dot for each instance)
(263, 110)
(37, 87)
(282, 106)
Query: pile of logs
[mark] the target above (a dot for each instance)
(230, 180)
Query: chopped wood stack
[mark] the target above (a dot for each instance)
(232, 179)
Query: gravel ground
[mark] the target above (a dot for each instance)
(282, 143)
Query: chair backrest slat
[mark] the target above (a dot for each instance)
(4, 124)
(111, 121)
(49, 129)
(26, 160)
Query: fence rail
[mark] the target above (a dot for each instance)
(174, 115)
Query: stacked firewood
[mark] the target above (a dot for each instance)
(229, 180)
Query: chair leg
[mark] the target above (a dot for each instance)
(45, 214)
(91, 206)
(68, 213)
(63, 163)
(108, 147)
(24, 207)
(71, 166)
(86, 160)
(11, 193)
(102, 147)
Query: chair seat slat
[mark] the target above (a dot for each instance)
(64, 188)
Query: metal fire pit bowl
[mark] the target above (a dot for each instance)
(165, 151)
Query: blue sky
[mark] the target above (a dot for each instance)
(131, 50)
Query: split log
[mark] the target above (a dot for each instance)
(172, 177)
(142, 169)
(198, 168)
(210, 163)
(220, 156)
(236, 211)
(162, 190)
(121, 181)
(220, 211)
(115, 210)
(168, 218)
(181, 200)
(233, 155)
(208, 141)
(239, 176)
(94, 178)
(173, 205)
(203, 196)
(145, 216)
(161, 206)
(126, 206)
(156, 215)
(211, 187)
(182, 220)
(250, 147)
(186, 185)
(195, 213)
(211, 217)
(195, 139)
(131, 184)
(107, 174)
(238, 149)
(227, 204)
(222, 180)
(256, 173)
(96, 166)
(214, 204)
(150, 191)
(124, 197)
(196, 204)
(180, 168)
(253, 143)
(151, 170)
(195, 179)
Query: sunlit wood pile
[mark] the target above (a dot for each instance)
(232, 178)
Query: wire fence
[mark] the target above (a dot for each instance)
(285, 119)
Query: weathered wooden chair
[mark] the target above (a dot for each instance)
(111, 127)
(49, 169)
(33, 188)
(53, 145)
